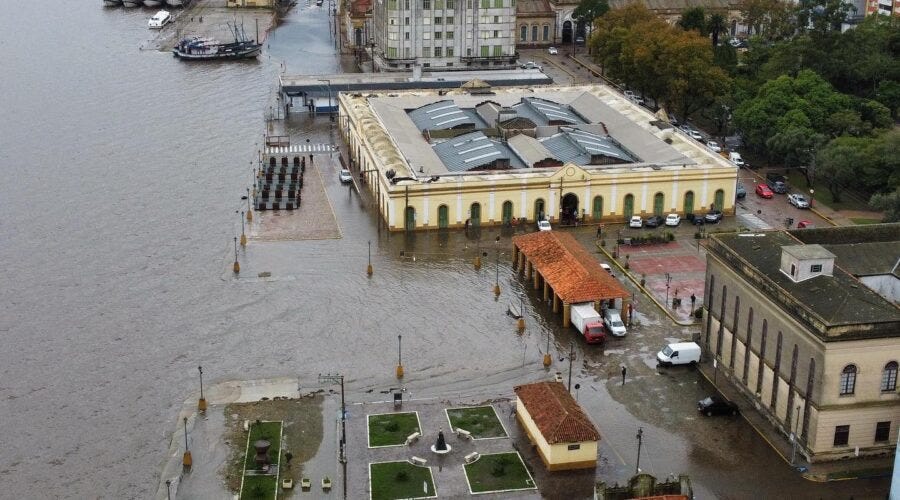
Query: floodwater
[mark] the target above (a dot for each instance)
(122, 170)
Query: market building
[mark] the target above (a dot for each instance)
(490, 156)
(806, 341)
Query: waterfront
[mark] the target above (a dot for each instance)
(121, 185)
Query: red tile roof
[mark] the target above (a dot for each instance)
(572, 272)
(556, 413)
(360, 7)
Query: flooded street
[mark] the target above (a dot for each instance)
(123, 171)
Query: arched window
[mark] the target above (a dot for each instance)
(628, 208)
(659, 200)
(539, 209)
(443, 217)
(848, 380)
(475, 215)
(889, 377)
(597, 212)
(534, 33)
(689, 202)
(546, 33)
(720, 199)
(523, 33)
(410, 218)
(507, 212)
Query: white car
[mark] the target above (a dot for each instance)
(636, 221)
(345, 176)
(544, 225)
(714, 146)
(530, 65)
(695, 135)
(606, 267)
(798, 200)
(673, 220)
(553, 51)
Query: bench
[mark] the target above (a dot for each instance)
(412, 438)
(418, 461)
(246, 425)
(471, 457)
(462, 433)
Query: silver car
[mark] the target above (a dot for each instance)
(798, 200)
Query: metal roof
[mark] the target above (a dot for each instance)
(576, 146)
(442, 115)
(543, 111)
(471, 150)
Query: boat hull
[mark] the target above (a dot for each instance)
(152, 3)
(244, 53)
(131, 3)
(175, 3)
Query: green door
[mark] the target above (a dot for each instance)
(507, 212)
(689, 202)
(658, 202)
(629, 206)
(443, 217)
(539, 209)
(598, 208)
(720, 199)
(410, 218)
(476, 215)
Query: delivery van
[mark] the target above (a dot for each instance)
(588, 321)
(681, 353)
(614, 322)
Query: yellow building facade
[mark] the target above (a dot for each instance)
(416, 190)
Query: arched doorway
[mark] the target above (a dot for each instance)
(658, 201)
(507, 212)
(688, 203)
(410, 218)
(475, 215)
(443, 217)
(720, 200)
(597, 211)
(357, 37)
(570, 213)
(628, 208)
(567, 32)
(539, 209)
(580, 30)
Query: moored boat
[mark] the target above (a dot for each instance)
(112, 3)
(153, 3)
(207, 49)
(159, 20)
(131, 3)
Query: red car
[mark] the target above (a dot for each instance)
(764, 191)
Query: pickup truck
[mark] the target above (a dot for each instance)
(777, 183)
(589, 322)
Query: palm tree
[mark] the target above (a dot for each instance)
(716, 25)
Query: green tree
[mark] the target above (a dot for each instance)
(716, 25)
(589, 10)
(694, 18)
(888, 94)
(838, 164)
(889, 203)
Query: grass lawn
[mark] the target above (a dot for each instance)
(481, 421)
(865, 221)
(259, 487)
(849, 199)
(271, 432)
(497, 472)
(391, 429)
(390, 480)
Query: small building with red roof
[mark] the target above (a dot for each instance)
(554, 422)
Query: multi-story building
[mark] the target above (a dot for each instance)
(811, 346)
(444, 34)
(883, 7)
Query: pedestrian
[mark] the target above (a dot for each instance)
(288, 456)
(693, 301)
(599, 231)
(201, 19)
(624, 370)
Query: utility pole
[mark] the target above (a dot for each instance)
(571, 357)
(335, 379)
(640, 436)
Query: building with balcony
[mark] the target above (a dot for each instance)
(444, 34)
(812, 347)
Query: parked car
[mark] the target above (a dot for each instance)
(345, 176)
(614, 323)
(740, 191)
(679, 353)
(606, 267)
(735, 158)
(714, 405)
(734, 42)
(579, 40)
(695, 135)
(805, 224)
(673, 220)
(714, 146)
(763, 191)
(636, 221)
(530, 65)
(713, 216)
(544, 225)
(552, 51)
(798, 200)
(777, 182)
(654, 221)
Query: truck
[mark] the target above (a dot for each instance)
(589, 322)
(777, 183)
(736, 158)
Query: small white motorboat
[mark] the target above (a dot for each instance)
(159, 20)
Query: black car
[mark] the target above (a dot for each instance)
(654, 221)
(714, 405)
(713, 216)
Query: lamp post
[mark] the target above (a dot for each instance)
(237, 266)
(571, 358)
(187, 461)
(369, 267)
(249, 207)
(812, 192)
(201, 405)
(243, 234)
(640, 438)
(794, 436)
(577, 386)
(399, 356)
(497, 282)
(547, 359)
(338, 378)
(328, 82)
(668, 282)
(168, 490)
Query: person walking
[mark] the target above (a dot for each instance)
(624, 371)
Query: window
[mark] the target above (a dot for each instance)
(449, 35)
(451, 4)
(437, 52)
(889, 377)
(426, 51)
(848, 380)
(534, 33)
(406, 4)
(841, 435)
(468, 52)
(438, 20)
(815, 268)
(573, 447)
(485, 51)
(496, 34)
(426, 4)
(448, 20)
(406, 54)
(523, 33)
(882, 431)
(450, 51)
(406, 36)
(392, 52)
(406, 21)
(498, 4)
(498, 50)
(485, 4)
(546, 32)
(438, 4)
(496, 19)
(438, 35)
(391, 22)
(392, 36)
(392, 4)
(426, 36)
(793, 270)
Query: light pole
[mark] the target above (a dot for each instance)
(328, 82)
(399, 356)
(640, 437)
(794, 437)
(577, 386)
(497, 282)
(187, 461)
(249, 207)
(812, 192)
(168, 490)
(571, 358)
(243, 234)
(668, 282)
(237, 266)
(337, 378)
(547, 359)
(201, 405)
(369, 267)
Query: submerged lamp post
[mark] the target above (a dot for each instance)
(187, 461)
(243, 234)
(547, 359)
(497, 282)
(249, 207)
(237, 266)
(201, 405)
(369, 268)
(640, 437)
(168, 490)
(571, 358)
(399, 356)
(668, 283)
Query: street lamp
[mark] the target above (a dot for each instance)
(369, 268)
(577, 386)
(497, 282)
(249, 207)
(328, 82)
(243, 234)
(812, 192)
(187, 461)
(640, 437)
(201, 405)
(237, 266)
(668, 282)
(168, 490)
(571, 358)
(794, 437)
(399, 356)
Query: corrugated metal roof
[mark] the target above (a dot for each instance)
(471, 150)
(443, 115)
(576, 146)
(542, 111)
(556, 414)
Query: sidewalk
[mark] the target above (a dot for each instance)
(819, 472)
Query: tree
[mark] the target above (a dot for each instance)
(769, 19)
(694, 19)
(589, 10)
(889, 203)
(838, 164)
(716, 24)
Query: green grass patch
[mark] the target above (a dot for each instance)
(481, 421)
(271, 432)
(860, 473)
(391, 480)
(391, 429)
(850, 200)
(259, 488)
(861, 222)
(498, 472)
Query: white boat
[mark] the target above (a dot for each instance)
(112, 3)
(175, 3)
(131, 3)
(153, 3)
(159, 20)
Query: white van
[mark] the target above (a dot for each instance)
(735, 158)
(614, 322)
(681, 353)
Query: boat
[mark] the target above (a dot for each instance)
(131, 3)
(112, 3)
(153, 3)
(208, 49)
(159, 20)
(175, 3)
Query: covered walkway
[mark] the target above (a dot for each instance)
(567, 272)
